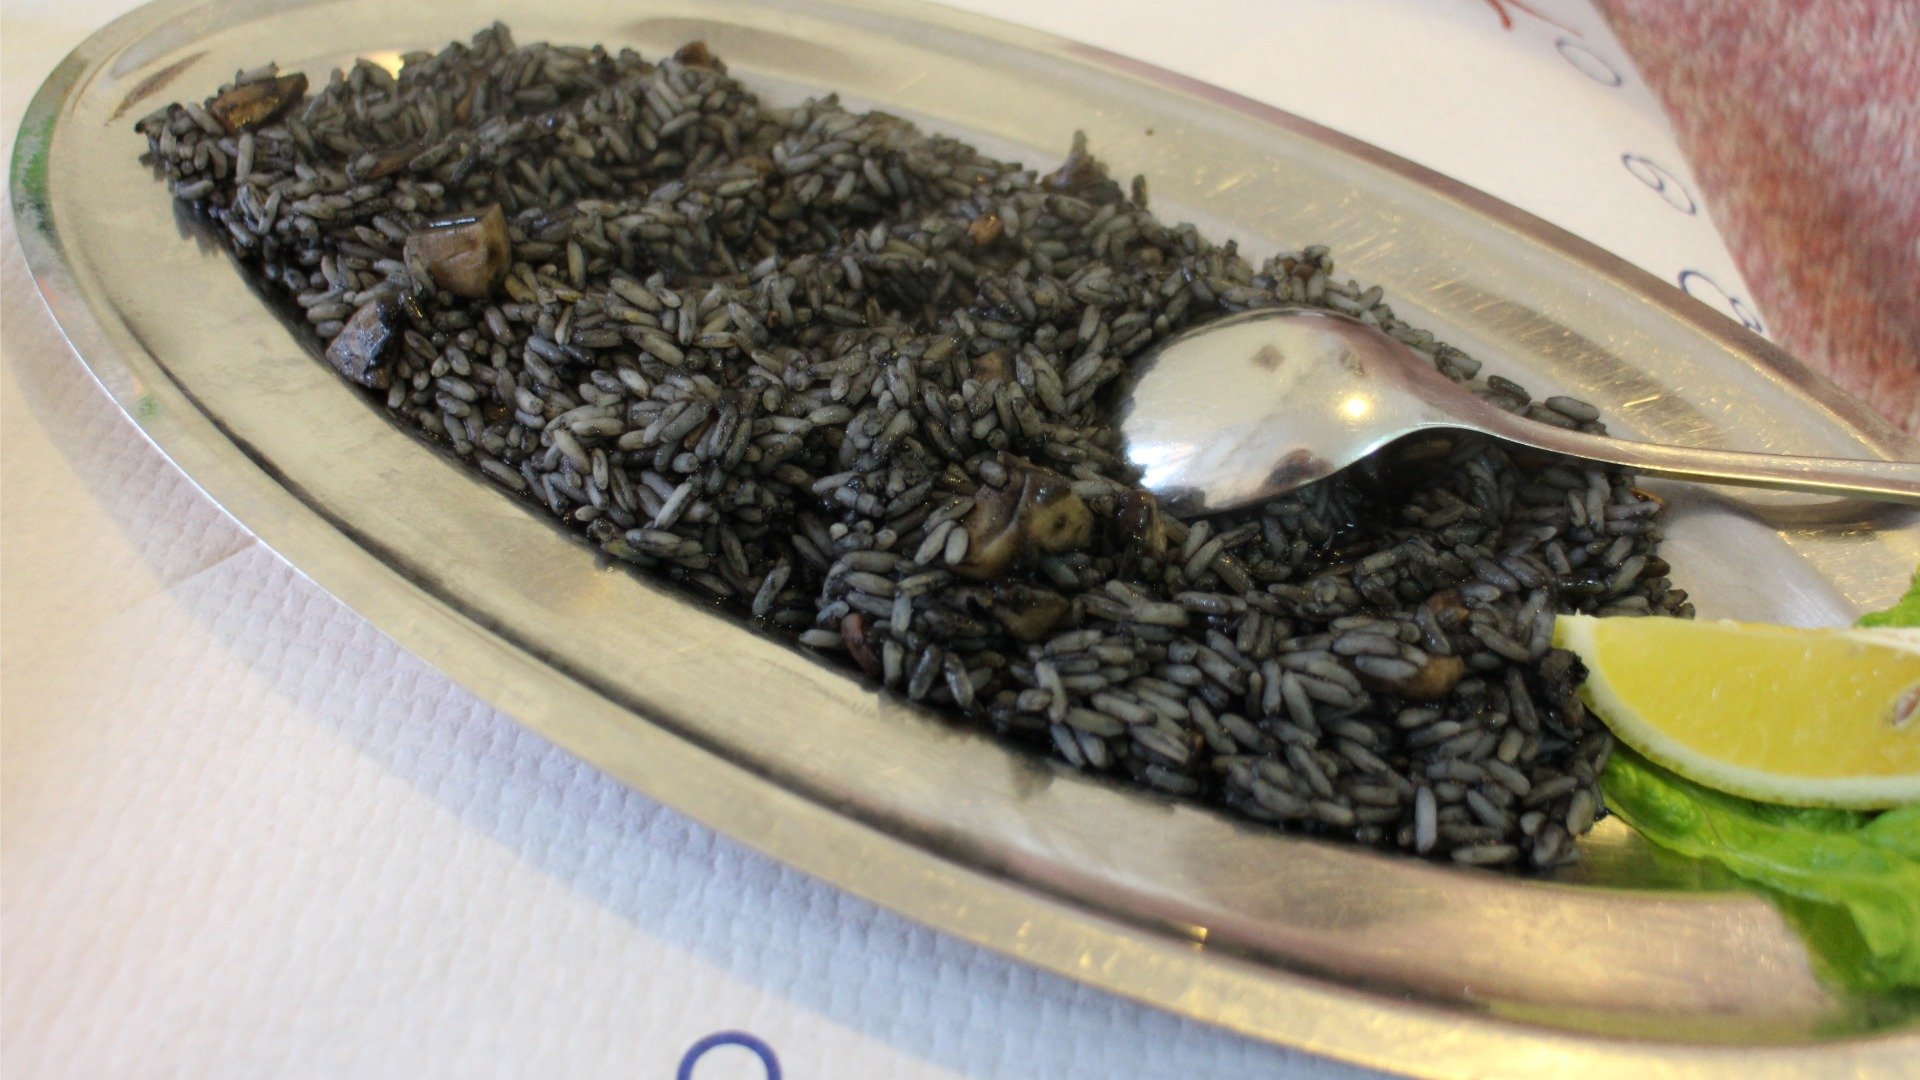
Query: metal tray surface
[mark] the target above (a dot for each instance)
(1629, 964)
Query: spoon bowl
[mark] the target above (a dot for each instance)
(1257, 404)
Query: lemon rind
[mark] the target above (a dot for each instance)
(1575, 632)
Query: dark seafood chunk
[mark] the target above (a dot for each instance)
(467, 256)
(993, 366)
(361, 349)
(1137, 523)
(391, 160)
(1433, 682)
(696, 54)
(250, 105)
(1034, 510)
(853, 631)
(1028, 612)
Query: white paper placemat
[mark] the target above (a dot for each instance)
(243, 834)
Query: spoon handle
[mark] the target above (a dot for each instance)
(1885, 481)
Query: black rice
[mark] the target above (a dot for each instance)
(835, 373)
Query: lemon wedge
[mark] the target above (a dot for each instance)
(1776, 713)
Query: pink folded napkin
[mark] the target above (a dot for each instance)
(1801, 119)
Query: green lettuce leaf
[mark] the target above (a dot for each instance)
(1904, 613)
(1857, 875)
(1848, 881)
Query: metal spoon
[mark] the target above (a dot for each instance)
(1260, 403)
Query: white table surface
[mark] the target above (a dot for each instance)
(244, 834)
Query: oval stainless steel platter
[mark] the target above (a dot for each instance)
(1629, 964)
